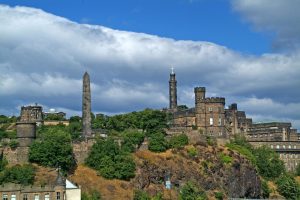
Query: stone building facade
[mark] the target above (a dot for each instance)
(32, 114)
(211, 118)
(61, 190)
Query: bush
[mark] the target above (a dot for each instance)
(19, 174)
(265, 189)
(141, 195)
(94, 195)
(190, 191)
(132, 139)
(110, 161)
(243, 151)
(225, 159)
(157, 143)
(53, 149)
(288, 187)
(177, 141)
(13, 144)
(192, 151)
(219, 195)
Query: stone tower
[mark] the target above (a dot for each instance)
(173, 91)
(210, 114)
(86, 106)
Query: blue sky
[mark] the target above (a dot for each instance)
(247, 51)
(201, 20)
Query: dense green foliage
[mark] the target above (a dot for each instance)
(177, 141)
(19, 174)
(268, 163)
(4, 119)
(225, 159)
(147, 120)
(94, 195)
(288, 187)
(157, 142)
(265, 159)
(191, 192)
(53, 148)
(132, 139)
(265, 189)
(106, 157)
(142, 195)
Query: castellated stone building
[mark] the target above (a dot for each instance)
(210, 117)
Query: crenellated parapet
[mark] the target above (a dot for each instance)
(214, 100)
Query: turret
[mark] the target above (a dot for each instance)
(199, 94)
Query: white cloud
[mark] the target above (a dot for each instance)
(274, 16)
(43, 58)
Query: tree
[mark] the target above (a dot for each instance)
(268, 163)
(19, 174)
(177, 141)
(157, 142)
(53, 149)
(288, 187)
(107, 157)
(132, 139)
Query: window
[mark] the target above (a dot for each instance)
(220, 121)
(4, 197)
(209, 109)
(283, 146)
(290, 146)
(295, 147)
(277, 146)
(36, 197)
(211, 121)
(25, 197)
(47, 197)
(57, 195)
(13, 197)
(271, 146)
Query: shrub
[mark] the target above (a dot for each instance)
(132, 139)
(94, 195)
(19, 174)
(192, 151)
(243, 151)
(225, 159)
(141, 195)
(13, 144)
(288, 187)
(265, 189)
(191, 191)
(177, 141)
(157, 143)
(219, 195)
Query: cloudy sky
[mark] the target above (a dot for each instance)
(245, 50)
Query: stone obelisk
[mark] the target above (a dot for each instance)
(86, 106)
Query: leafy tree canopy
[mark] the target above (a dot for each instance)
(53, 148)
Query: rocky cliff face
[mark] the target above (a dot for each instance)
(211, 168)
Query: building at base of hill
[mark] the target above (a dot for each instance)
(62, 189)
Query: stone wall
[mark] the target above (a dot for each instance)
(16, 156)
(82, 149)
